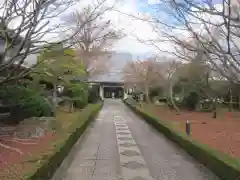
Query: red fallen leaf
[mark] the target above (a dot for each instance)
(11, 157)
(222, 133)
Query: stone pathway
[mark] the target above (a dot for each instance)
(119, 146)
(132, 162)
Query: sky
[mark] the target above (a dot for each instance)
(136, 29)
(139, 29)
(132, 27)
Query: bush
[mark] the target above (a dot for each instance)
(170, 104)
(155, 92)
(162, 99)
(136, 95)
(80, 102)
(78, 93)
(190, 102)
(24, 102)
(205, 105)
(93, 95)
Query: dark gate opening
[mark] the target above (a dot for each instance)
(116, 92)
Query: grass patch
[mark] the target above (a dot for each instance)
(221, 164)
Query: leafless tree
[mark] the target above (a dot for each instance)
(201, 31)
(28, 27)
(218, 40)
(212, 32)
(144, 74)
(169, 67)
(94, 40)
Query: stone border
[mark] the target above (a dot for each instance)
(48, 168)
(221, 164)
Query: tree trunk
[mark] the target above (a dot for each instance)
(171, 98)
(238, 102)
(230, 100)
(70, 106)
(147, 94)
(54, 99)
(214, 111)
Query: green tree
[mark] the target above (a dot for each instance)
(77, 95)
(58, 66)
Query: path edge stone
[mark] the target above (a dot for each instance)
(221, 164)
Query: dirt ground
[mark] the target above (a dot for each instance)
(10, 158)
(222, 133)
(13, 165)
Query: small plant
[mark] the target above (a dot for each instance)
(78, 93)
(190, 101)
(24, 102)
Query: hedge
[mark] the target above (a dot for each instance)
(50, 163)
(221, 164)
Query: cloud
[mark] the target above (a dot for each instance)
(134, 28)
(154, 1)
(131, 27)
(180, 31)
(142, 29)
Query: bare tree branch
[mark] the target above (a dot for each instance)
(28, 27)
(94, 40)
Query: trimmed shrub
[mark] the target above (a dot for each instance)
(78, 93)
(136, 96)
(155, 92)
(24, 102)
(93, 94)
(191, 101)
(80, 102)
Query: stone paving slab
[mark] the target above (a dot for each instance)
(132, 163)
(106, 170)
(80, 170)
